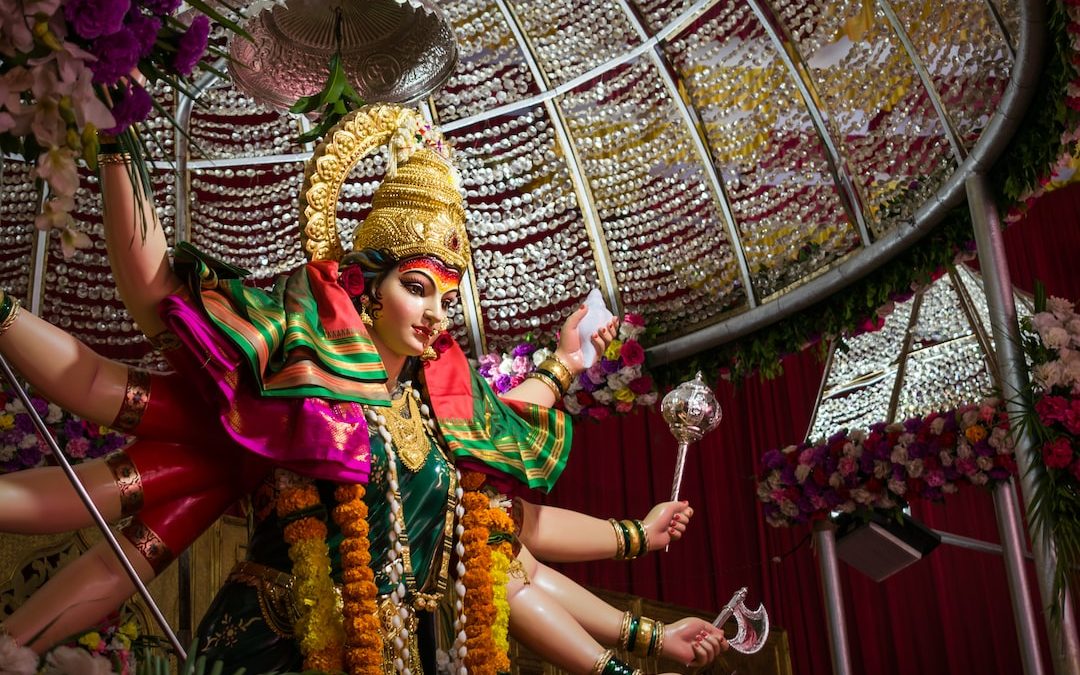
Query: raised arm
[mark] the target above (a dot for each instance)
(568, 356)
(561, 535)
(139, 259)
(63, 369)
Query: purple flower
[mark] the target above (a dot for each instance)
(117, 56)
(586, 382)
(524, 349)
(192, 45)
(502, 383)
(145, 31)
(73, 428)
(24, 423)
(773, 459)
(133, 105)
(610, 366)
(96, 18)
(160, 7)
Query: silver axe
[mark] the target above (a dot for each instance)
(752, 625)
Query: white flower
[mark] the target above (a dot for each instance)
(616, 381)
(949, 488)
(603, 396)
(789, 509)
(1049, 375)
(1062, 308)
(15, 406)
(76, 661)
(898, 455)
(506, 366)
(984, 463)
(646, 399)
(802, 472)
(629, 373)
(980, 479)
(882, 469)
(915, 468)
(898, 486)
(539, 355)
(28, 441)
(54, 415)
(571, 404)
(7, 453)
(1056, 338)
(16, 660)
(861, 496)
(937, 426)
(1044, 321)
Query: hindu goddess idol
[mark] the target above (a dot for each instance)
(377, 462)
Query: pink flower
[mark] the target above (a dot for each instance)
(623, 407)
(78, 447)
(599, 413)
(847, 466)
(1052, 408)
(806, 456)
(443, 342)
(935, 478)
(634, 319)
(1057, 454)
(57, 168)
(632, 354)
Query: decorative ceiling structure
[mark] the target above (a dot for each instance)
(707, 164)
(934, 352)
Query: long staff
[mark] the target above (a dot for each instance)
(92, 508)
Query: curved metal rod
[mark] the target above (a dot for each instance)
(850, 197)
(593, 226)
(959, 151)
(991, 144)
(697, 138)
(99, 520)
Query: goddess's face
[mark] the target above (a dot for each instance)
(415, 300)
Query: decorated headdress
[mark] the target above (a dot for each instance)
(417, 210)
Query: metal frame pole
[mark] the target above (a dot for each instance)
(65, 465)
(839, 646)
(1065, 649)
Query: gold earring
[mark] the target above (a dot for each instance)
(443, 324)
(365, 318)
(429, 354)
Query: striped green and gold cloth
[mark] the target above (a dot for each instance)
(301, 338)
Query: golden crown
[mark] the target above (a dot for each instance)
(417, 210)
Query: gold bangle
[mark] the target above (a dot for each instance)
(659, 628)
(646, 626)
(554, 365)
(634, 544)
(9, 307)
(620, 541)
(624, 630)
(537, 375)
(113, 158)
(644, 532)
(601, 663)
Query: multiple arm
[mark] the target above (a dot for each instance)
(139, 258)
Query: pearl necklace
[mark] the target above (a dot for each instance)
(402, 578)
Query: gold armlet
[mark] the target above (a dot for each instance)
(559, 370)
(107, 158)
(9, 311)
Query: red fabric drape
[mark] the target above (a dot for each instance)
(949, 613)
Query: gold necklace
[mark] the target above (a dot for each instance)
(408, 430)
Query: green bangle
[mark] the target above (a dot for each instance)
(634, 623)
(616, 667)
(644, 538)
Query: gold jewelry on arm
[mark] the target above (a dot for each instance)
(624, 629)
(602, 662)
(620, 539)
(559, 370)
(136, 398)
(9, 311)
(113, 158)
(658, 631)
(548, 381)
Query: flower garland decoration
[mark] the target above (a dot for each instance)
(1051, 340)
(479, 607)
(617, 383)
(502, 559)
(22, 448)
(363, 632)
(108, 647)
(925, 457)
(318, 624)
(66, 67)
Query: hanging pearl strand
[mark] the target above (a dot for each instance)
(397, 550)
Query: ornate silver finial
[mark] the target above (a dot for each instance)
(691, 411)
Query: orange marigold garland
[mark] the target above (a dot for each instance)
(502, 559)
(363, 631)
(479, 601)
(320, 631)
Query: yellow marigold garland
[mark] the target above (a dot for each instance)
(320, 631)
(478, 602)
(363, 632)
(501, 560)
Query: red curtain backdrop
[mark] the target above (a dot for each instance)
(949, 613)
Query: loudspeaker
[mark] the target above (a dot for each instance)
(882, 545)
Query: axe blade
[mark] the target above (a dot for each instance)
(751, 625)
